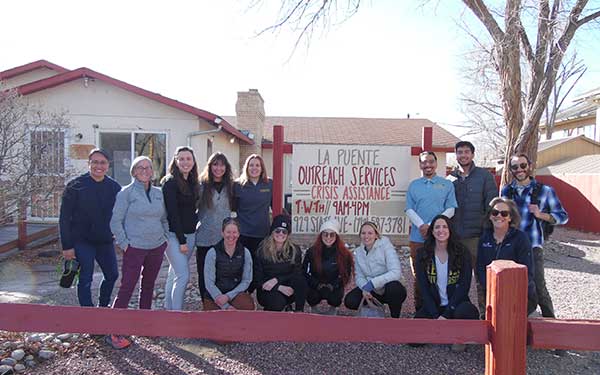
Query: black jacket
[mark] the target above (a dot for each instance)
(284, 271)
(459, 283)
(86, 210)
(473, 195)
(515, 247)
(181, 209)
(330, 272)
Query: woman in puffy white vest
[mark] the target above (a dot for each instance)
(377, 272)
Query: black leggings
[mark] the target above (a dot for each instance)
(274, 300)
(251, 243)
(464, 310)
(200, 257)
(394, 295)
(333, 297)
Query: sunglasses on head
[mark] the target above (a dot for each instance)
(328, 234)
(280, 230)
(496, 212)
(514, 167)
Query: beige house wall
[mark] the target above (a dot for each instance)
(95, 107)
(34, 75)
(567, 150)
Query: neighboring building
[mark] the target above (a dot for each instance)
(554, 150)
(129, 121)
(581, 118)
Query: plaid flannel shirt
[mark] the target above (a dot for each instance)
(548, 202)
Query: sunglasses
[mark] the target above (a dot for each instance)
(328, 234)
(495, 212)
(515, 167)
(280, 231)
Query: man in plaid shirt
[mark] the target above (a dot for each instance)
(534, 211)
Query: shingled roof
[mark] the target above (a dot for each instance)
(357, 131)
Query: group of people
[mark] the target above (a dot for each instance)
(246, 252)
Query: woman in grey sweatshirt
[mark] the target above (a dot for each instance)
(139, 224)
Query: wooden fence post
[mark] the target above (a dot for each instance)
(22, 225)
(507, 312)
(278, 169)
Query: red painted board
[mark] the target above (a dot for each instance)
(564, 334)
(241, 326)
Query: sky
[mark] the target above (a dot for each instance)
(391, 59)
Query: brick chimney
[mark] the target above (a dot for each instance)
(250, 113)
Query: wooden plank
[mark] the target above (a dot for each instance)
(507, 311)
(41, 234)
(241, 326)
(8, 246)
(564, 334)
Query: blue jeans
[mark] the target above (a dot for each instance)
(105, 256)
(179, 271)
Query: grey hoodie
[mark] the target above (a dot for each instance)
(139, 218)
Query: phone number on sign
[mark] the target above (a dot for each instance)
(396, 225)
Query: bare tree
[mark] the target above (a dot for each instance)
(552, 25)
(571, 71)
(555, 26)
(32, 160)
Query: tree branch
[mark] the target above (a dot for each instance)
(482, 12)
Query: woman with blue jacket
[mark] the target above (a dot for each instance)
(444, 274)
(501, 239)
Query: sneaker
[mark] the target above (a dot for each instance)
(458, 348)
(117, 342)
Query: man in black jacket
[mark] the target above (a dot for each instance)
(474, 187)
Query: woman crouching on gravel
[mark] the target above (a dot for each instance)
(228, 272)
(278, 270)
(328, 267)
(377, 272)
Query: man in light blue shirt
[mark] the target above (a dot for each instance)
(427, 197)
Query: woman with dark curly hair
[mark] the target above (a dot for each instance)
(328, 267)
(215, 198)
(444, 274)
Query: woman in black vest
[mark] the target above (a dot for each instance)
(278, 270)
(228, 272)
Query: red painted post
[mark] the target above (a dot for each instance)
(427, 139)
(277, 169)
(21, 226)
(506, 310)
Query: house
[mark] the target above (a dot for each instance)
(554, 150)
(128, 121)
(581, 118)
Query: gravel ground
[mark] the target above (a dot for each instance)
(572, 275)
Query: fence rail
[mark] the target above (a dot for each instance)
(505, 332)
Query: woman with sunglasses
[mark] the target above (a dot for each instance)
(215, 200)
(180, 190)
(377, 272)
(228, 272)
(328, 267)
(139, 224)
(278, 269)
(501, 239)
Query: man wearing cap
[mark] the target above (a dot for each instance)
(85, 213)
(475, 188)
(427, 197)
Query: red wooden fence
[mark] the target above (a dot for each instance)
(505, 332)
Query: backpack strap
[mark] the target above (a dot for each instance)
(535, 194)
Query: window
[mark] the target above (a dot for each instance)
(47, 149)
(124, 147)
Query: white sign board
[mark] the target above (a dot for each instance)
(353, 183)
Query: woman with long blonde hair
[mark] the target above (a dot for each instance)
(278, 270)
